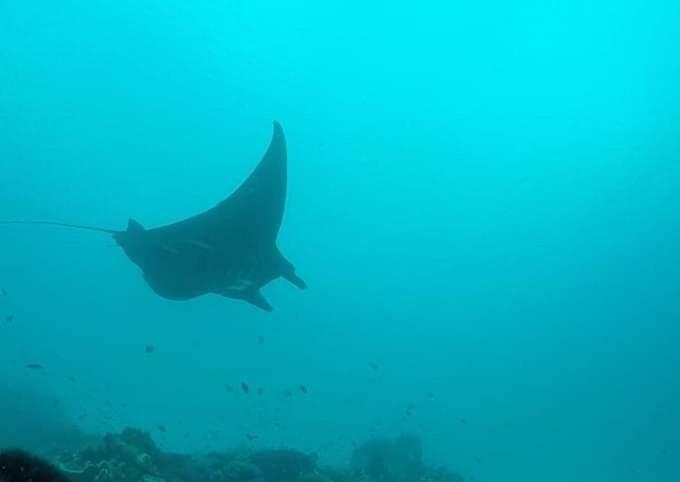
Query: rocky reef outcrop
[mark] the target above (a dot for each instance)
(132, 456)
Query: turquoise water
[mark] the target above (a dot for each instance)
(482, 198)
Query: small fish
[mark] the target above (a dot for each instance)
(287, 394)
(260, 340)
(373, 365)
(430, 395)
(71, 378)
(244, 387)
(161, 427)
(108, 403)
(9, 318)
(303, 388)
(33, 366)
(149, 349)
(251, 436)
(3, 291)
(229, 387)
(260, 391)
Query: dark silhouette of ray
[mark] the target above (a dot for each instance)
(229, 250)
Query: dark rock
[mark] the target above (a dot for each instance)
(19, 466)
(278, 465)
(394, 460)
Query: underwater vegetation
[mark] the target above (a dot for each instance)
(132, 456)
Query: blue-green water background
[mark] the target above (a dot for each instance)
(483, 198)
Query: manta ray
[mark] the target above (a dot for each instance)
(229, 250)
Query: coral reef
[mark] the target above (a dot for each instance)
(396, 460)
(288, 465)
(223, 467)
(132, 456)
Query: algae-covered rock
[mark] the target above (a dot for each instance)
(220, 467)
(440, 475)
(390, 460)
(139, 440)
(283, 465)
(314, 477)
(242, 471)
(104, 471)
(132, 456)
(339, 474)
(125, 457)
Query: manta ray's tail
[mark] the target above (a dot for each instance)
(64, 225)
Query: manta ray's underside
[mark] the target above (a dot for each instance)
(229, 250)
